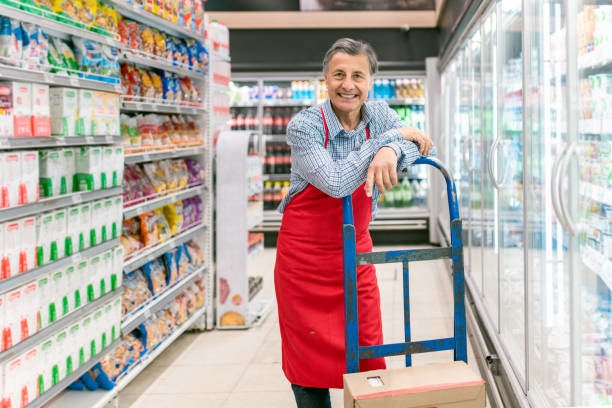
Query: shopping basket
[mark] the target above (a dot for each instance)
(351, 259)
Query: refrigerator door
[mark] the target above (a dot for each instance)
(588, 214)
(548, 258)
(490, 201)
(510, 178)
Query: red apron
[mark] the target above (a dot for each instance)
(309, 287)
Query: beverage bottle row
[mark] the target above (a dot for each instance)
(413, 115)
(277, 159)
(275, 120)
(407, 193)
(397, 88)
(244, 119)
(274, 194)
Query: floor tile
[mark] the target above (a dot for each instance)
(263, 377)
(181, 400)
(199, 379)
(279, 399)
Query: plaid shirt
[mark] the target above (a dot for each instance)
(342, 167)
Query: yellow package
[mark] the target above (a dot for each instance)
(66, 8)
(45, 4)
(159, 43)
(106, 18)
(174, 215)
(148, 42)
(86, 13)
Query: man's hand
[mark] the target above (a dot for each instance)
(382, 170)
(413, 134)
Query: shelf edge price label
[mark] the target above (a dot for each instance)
(77, 198)
(74, 81)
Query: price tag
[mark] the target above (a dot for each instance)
(90, 140)
(77, 198)
(74, 81)
(77, 257)
(146, 157)
(147, 314)
(108, 139)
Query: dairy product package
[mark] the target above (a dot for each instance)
(64, 103)
(10, 164)
(46, 242)
(30, 361)
(68, 170)
(98, 321)
(85, 113)
(4, 257)
(12, 248)
(45, 299)
(48, 364)
(98, 221)
(62, 351)
(15, 316)
(96, 283)
(118, 166)
(115, 319)
(72, 288)
(2, 324)
(111, 108)
(86, 230)
(108, 173)
(109, 333)
(89, 168)
(31, 305)
(41, 113)
(82, 279)
(50, 172)
(117, 216)
(22, 109)
(73, 229)
(60, 227)
(99, 114)
(88, 337)
(59, 302)
(107, 271)
(28, 187)
(109, 216)
(14, 378)
(117, 276)
(27, 250)
(77, 355)
(6, 110)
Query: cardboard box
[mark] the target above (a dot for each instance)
(10, 164)
(22, 109)
(28, 187)
(6, 110)
(86, 113)
(41, 114)
(64, 111)
(440, 385)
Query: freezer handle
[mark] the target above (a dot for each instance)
(492, 152)
(464, 150)
(570, 225)
(556, 185)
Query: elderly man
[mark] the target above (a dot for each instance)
(344, 146)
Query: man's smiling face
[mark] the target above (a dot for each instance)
(348, 81)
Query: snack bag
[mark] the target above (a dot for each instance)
(86, 14)
(157, 85)
(148, 43)
(31, 46)
(197, 174)
(124, 32)
(174, 215)
(187, 13)
(10, 41)
(129, 131)
(135, 37)
(168, 175)
(156, 277)
(147, 129)
(87, 54)
(169, 54)
(149, 232)
(146, 89)
(172, 271)
(168, 86)
(159, 43)
(130, 79)
(182, 262)
(109, 61)
(194, 252)
(65, 52)
(67, 10)
(162, 226)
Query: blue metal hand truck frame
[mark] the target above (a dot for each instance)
(354, 352)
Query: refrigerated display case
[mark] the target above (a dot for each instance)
(267, 102)
(527, 120)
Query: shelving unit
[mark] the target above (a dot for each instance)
(53, 141)
(153, 61)
(157, 202)
(41, 77)
(143, 157)
(161, 107)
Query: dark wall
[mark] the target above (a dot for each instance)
(454, 15)
(303, 50)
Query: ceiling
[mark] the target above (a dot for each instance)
(319, 14)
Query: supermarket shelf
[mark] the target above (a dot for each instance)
(596, 193)
(160, 63)
(246, 104)
(405, 101)
(214, 54)
(395, 213)
(162, 155)
(139, 14)
(598, 61)
(149, 254)
(276, 177)
(254, 251)
(158, 202)
(75, 375)
(253, 220)
(48, 204)
(100, 398)
(276, 138)
(131, 106)
(158, 303)
(599, 264)
(58, 326)
(23, 278)
(47, 142)
(56, 26)
(22, 74)
(595, 126)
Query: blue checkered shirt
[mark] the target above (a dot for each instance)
(342, 167)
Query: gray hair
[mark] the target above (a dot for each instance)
(351, 47)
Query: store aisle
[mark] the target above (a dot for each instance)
(231, 369)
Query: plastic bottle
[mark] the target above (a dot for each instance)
(284, 189)
(392, 89)
(407, 193)
(276, 191)
(266, 195)
(390, 197)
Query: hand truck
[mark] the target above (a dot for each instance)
(351, 259)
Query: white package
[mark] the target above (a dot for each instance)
(116, 319)
(72, 288)
(28, 187)
(41, 111)
(89, 168)
(12, 248)
(6, 113)
(86, 228)
(22, 109)
(88, 337)
(117, 277)
(63, 111)
(117, 216)
(48, 358)
(46, 243)
(14, 314)
(82, 280)
(74, 345)
(62, 351)
(59, 295)
(97, 276)
(2, 324)
(108, 154)
(109, 206)
(85, 112)
(69, 169)
(51, 171)
(14, 381)
(45, 298)
(31, 307)
(59, 226)
(98, 323)
(27, 254)
(109, 326)
(118, 163)
(11, 169)
(73, 229)
(31, 368)
(97, 221)
(100, 118)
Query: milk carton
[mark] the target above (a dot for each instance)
(98, 323)
(62, 352)
(115, 319)
(48, 375)
(108, 173)
(46, 243)
(85, 113)
(77, 355)
(118, 166)
(106, 271)
(81, 281)
(5, 265)
(111, 110)
(94, 291)
(73, 230)
(87, 236)
(15, 316)
(51, 162)
(41, 114)
(72, 283)
(60, 228)
(98, 222)
(117, 216)
(59, 302)
(100, 118)
(27, 251)
(12, 248)
(108, 218)
(22, 109)
(6, 111)
(2, 327)
(28, 187)
(46, 300)
(64, 111)
(68, 170)
(15, 382)
(89, 168)
(31, 307)
(88, 337)
(31, 368)
(117, 276)
(108, 334)
(10, 163)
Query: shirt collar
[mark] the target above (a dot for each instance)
(333, 123)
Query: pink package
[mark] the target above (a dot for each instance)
(28, 187)
(10, 164)
(27, 250)
(12, 232)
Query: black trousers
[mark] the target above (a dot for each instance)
(307, 397)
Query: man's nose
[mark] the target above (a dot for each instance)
(347, 85)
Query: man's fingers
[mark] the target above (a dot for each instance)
(393, 173)
(379, 180)
(369, 181)
(386, 178)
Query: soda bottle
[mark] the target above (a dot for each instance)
(286, 119)
(266, 195)
(278, 121)
(284, 190)
(276, 192)
(232, 121)
(407, 193)
(240, 121)
(390, 196)
(267, 121)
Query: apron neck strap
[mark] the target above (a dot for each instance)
(327, 130)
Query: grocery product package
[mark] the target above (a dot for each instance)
(28, 186)
(68, 170)
(156, 276)
(12, 249)
(117, 273)
(173, 274)
(85, 113)
(73, 230)
(6, 109)
(62, 353)
(51, 163)
(73, 294)
(88, 339)
(64, 111)
(10, 164)
(108, 170)
(94, 288)
(82, 280)
(87, 235)
(59, 304)
(108, 219)
(100, 118)
(22, 109)
(16, 318)
(135, 292)
(97, 222)
(107, 270)
(10, 41)
(27, 244)
(46, 244)
(16, 380)
(76, 354)
(60, 229)
(129, 132)
(45, 292)
(3, 320)
(31, 305)
(88, 168)
(41, 111)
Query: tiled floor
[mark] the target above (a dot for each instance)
(227, 369)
